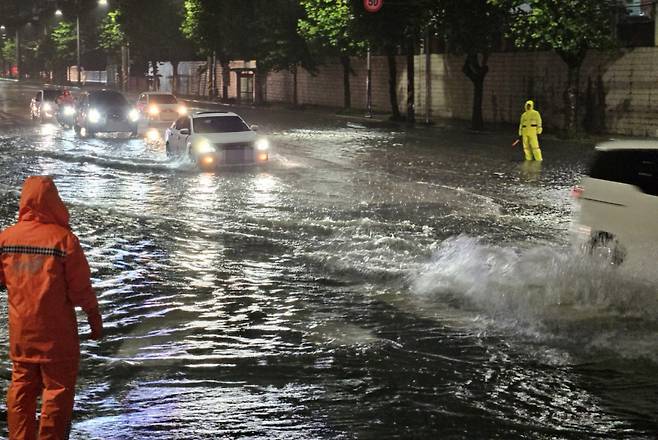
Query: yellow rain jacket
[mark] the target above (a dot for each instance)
(529, 128)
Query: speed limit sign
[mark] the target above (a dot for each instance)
(373, 5)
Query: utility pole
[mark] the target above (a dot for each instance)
(654, 9)
(428, 79)
(369, 86)
(77, 49)
(19, 67)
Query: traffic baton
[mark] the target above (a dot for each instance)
(516, 142)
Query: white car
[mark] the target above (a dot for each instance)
(619, 203)
(156, 106)
(43, 105)
(213, 139)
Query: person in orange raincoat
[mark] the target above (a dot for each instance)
(47, 276)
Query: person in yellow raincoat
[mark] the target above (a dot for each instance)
(529, 128)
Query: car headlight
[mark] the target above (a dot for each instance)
(154, 110)
(263, 144)
(47, 107)
(204, 146)
(68, 110)
(94, 116)
(133, 115)
(182, 110)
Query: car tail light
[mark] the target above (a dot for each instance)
(577, 192)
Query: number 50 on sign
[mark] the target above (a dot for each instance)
(373, 5)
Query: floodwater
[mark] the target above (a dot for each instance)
(367, 283)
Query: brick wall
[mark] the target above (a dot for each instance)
(630, 78)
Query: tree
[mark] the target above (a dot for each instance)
(396, 26)
(327, 28)
(153, 29)
(261, 30)
(8, 54)
(570, 28)
(220, 29)
(473, 28)
(111, 36)
(64, 39)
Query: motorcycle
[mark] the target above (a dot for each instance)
(66, 115)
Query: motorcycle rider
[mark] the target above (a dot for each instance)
(65, 98)
(65, 108)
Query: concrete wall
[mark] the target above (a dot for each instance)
(630, 80)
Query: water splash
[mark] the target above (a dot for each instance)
(549, 293)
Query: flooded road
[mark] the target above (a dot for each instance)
(367, 283)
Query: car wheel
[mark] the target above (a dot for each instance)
(605, 246)
(168, 149)
(85, 133)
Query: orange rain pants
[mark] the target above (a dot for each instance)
(55, 383)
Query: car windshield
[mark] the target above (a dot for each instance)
(108, 99)
(51, 95)
(219, 124)
(163, 99)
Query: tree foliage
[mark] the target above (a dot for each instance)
(570, 28)
(111, 36)
(64, 40)
(8, 51)
(328, 27)
(152, 27)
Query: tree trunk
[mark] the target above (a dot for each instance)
(209, 75)
(393, 83)
(347, 92)
(261, 84)
(295, 96)
(226, 78)
(571, 100)
(476, 72)
(573, 60)
(156, 81)
(174, 77)
(411, 86)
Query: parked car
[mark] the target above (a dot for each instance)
(156, 106)
(105, 111)
(213, 139)
(43, 106)
(619, 203)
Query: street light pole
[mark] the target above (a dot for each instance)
(19, 67)
(77, 36)
(369, 85)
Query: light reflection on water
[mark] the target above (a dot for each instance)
(313, 298)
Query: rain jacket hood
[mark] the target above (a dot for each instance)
(529, 105)
(40, 202)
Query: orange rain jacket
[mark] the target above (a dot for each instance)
(47, 276)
